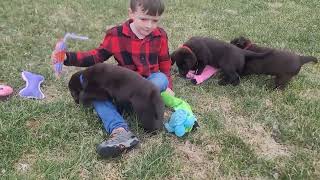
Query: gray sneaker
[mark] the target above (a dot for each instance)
(120, 142)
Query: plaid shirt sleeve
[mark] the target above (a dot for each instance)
(164, 58)
(91, 57)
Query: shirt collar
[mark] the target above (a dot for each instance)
(126, 30)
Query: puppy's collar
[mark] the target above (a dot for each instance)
(248, 45)
(81, 79)
(186, 47)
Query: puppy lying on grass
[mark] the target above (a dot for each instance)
(110, 82)
(279, 63)
(198, 52)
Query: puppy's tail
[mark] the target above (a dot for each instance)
(250, 54)
(306, 59)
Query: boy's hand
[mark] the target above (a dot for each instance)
(58, 56)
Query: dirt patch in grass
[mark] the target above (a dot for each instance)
(260, 140)
(310, 94)
(200, 161)
(275, 5)
(252, 133)
(51, 92)
(25, 164)
(33, 125)
(84, 173)
(203, 104)
(195, 161)
(107, 170)
(55, 155)
(225, 104)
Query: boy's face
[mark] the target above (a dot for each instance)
(144, 24)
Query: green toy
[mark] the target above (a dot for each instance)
(174, 102)
(182, 120)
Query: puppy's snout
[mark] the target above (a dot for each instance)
(182, 73)
(182, 76)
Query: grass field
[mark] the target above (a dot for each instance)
(247, 132)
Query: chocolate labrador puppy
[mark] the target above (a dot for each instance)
(105, 81)
(198, 52)
(281, 64)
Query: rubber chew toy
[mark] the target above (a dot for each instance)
(206, 74)
(5, 92)
(182, 120)
(61, 48)
(32, 89)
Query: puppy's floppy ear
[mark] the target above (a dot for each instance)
(84, 98)
(234, 41)
(75, 86)
(172, 59)
(240, 42)
(178, 54)
(244, 42)
(85, 78)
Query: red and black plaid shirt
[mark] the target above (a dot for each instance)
(144, 56)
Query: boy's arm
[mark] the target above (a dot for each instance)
(164, 59)
(88, 58)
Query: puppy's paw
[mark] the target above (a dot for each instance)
(85, 103)
(84, 100)
(194, 81)
(236, 82)
(222, 82)
(279, 87)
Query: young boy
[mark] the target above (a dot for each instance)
(140, 45)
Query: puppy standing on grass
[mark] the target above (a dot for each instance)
(105, 81)
(198, 52)
(281, 64)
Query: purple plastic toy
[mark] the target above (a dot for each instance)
(32, 89)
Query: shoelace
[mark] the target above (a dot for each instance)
(115, 136)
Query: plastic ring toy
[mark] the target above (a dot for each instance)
(5, 91)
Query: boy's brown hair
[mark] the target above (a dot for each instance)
(152, 7)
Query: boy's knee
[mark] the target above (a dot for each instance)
(102, 105)
(164, 80)
(160, 80)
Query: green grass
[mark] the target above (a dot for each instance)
(247, 131)
(155, 162)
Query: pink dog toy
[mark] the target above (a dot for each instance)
(206, 74)
(5, 91)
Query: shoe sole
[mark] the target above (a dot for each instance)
(115, 151)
